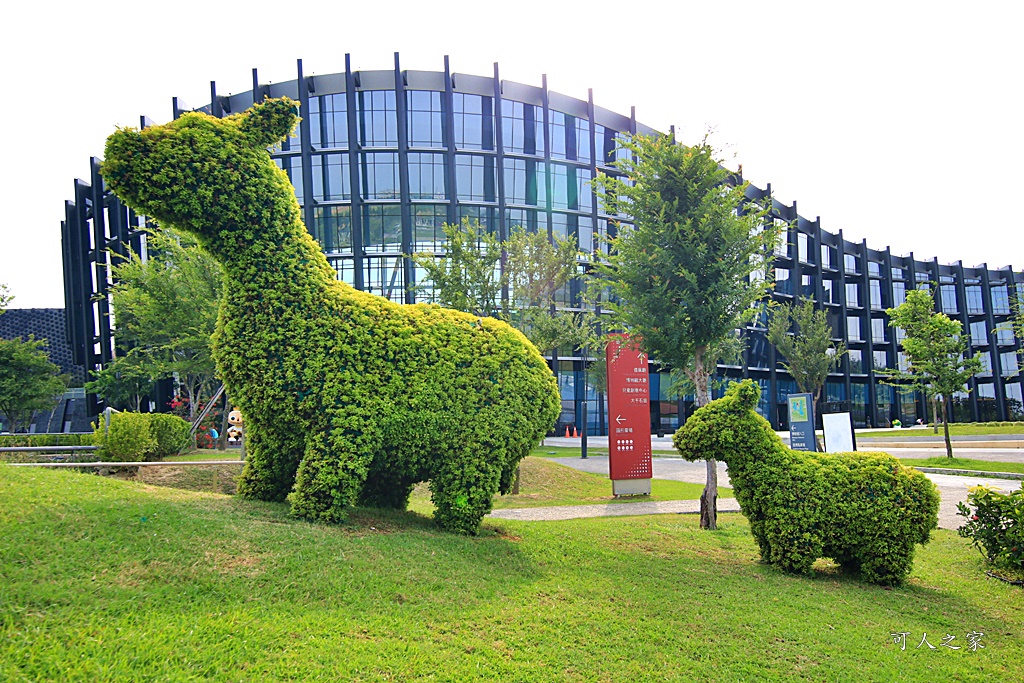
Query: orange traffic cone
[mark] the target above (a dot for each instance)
(567, 431)
(575, 435)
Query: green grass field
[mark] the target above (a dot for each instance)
(542, 483)
(965, 464)
(954, 430)
(104, 580)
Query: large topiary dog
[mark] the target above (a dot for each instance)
(348, 398)
(863, 510)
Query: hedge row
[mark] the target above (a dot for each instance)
(137, 437)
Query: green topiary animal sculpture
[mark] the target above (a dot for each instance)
(863, 510)
(348, 398)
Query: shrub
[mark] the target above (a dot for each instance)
(996, 525)
(128, 438)
(348, 397)
(71, 439)
(171, 432)
(863, 510)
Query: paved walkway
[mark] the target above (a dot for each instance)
(952, 489)
(653, 507)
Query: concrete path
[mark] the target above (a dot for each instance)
(660, 507)
(952, 489)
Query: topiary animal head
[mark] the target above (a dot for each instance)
(212, 177)
(728, 429)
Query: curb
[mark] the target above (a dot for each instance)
(971, 473)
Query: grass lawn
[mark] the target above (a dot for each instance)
(954, 430)
(104, 580)
(542, 483)
(964, 464)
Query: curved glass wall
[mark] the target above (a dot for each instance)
(383, 159)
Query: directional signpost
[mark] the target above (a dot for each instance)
(629, 412)
(801, 422)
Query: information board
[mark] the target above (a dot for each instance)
(801, 422)
(838, 433)
(629, 415)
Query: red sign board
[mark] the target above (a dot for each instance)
(629, 410)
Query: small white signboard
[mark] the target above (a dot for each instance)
(838, 432)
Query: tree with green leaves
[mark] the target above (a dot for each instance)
(936, 352)
(467, 277)
(28, 380)
(802, 334)
(166, 311)
(125, 381)
(691, 268)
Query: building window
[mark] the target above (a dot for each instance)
(328, 121)
(986, 364)
(979, 334)
(827, 258)
(853, 328)
(522, 128)
(850, 263)
(425, 119)
(878, 330)
(378, 119)
(876, 294)
(332, 228)
(899, 293)
(881, 359)
(974, 302)
(525, 182)
(856, 361)
(803, 247)
(783, 283)
(852, 294)
(874, 269)
(570, 137)
(382, 227)
(427, 176)
(379, 175)
(897, 273)
(1004, 335)
(1008, 363)
(828, 292)
(475, 178)
(428, 232)
(1000, 300)
(331, 178)
(473, 117)
(948, 294)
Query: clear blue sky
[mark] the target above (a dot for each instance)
(897, 122)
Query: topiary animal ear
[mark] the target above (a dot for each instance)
(747, 394)
(270, 121)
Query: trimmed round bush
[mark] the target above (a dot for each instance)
(865, 511)
(348, 398)
(172, 433)
(128, 439)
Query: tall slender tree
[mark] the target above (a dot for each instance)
(936, 352)
(692, 266)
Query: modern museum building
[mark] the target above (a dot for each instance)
(383, 159)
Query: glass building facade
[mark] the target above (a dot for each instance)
(382, 159)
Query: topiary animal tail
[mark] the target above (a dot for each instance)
(348, 398)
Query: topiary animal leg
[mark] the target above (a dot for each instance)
(381, 490)
(271, 458)
(330, 477)
(887, 560)
(463, 488)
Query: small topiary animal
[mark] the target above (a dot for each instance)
(863, 510)
(348, 398)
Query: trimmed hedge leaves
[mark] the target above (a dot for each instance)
(348, 398)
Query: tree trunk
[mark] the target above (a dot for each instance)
(709, 498)
(935, 416)
(945, 426)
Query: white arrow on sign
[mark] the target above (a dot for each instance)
(619, 419)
